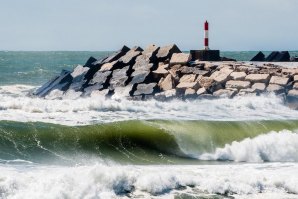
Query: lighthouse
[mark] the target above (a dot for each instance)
(206, 54)
(206, 38)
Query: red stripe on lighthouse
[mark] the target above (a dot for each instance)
(206, 42)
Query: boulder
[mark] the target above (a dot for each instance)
(271, 56)
(238, 75)
(283, 56)
(143, 63)
(227, 59)
(169, 94)
(61, 83)
(130, 57)
(295, 86)
(123, 91)
(238, 84)
(90, 62)
(293, 94)
(110, 66)
(190, 93)
(205, 82)
(274, 88)
(140, 77)
(101, 78)
(260, 87)
(194, 70)
(78, 76)
(258, 57)
(210, 66)
(201, 91)
(115, 56)
(175, 71)
(102, 94)
(242, 68)
(79, 71)
(296, 78)
(225, 93)
(180, 58)
(166, 52)
(188, 78)
(222, 75)
(161, 70)
(145, 89)
(88, 90)
(186, 85)
(290, 71)
(258, 78)
(151, 50)
(137, 48)
(119, 77)
(282, 81)
(54, 95)
(166, 83)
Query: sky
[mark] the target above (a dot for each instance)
(95, 25)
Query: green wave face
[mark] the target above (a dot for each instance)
(138, 142)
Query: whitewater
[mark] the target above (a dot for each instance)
(83, 148)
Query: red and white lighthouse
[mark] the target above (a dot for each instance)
(206, 39)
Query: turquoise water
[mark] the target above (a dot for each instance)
(35, 68)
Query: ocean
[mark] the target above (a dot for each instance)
(245, 147)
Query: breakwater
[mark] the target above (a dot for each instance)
(165, 73)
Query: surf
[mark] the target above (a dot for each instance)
(148, 142)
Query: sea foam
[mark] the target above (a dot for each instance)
(17, 106)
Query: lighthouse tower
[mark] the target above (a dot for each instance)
(206, 54)
(206, 39)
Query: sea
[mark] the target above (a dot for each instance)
(91, 148)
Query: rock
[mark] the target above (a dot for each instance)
(293, 94)
(190, 93)
(100, 94)
(90, 62)
(194, 70)
(227, 59)
(258, 78)
(295, 86)
(238, 84)
(101, 78)
(175, 71)
(130, 57)
(79, 80)
(161, 71)
(88, 90)
(296, 78)
(180, 58)
(282, 81)
(278, 56)
(274, 88)
(201, 91)
(260, 87)
(61, 83)
(145, 89)
(151, 50)
(283, 56)
(119, 77)
(140, 77)
(188, 78)
(222, 75)
(166, 52)
(110, 66)
(238, 75)
(271, 56)
(137, 48)
(185, 85)
(205, 82)
(210, 66)
(258, 57)
(167, 83)
(123, 91)
(115, 56)
(225, 93)
(242, 68)
(246, 91)
(169, 94)
(143, 63)
(290, 71)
